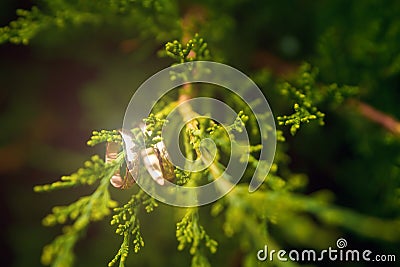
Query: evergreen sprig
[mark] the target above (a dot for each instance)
(275, 205)
(128, 226)
(87, 209)
(190, 232)
(104, 136)
(249, 218)
(307, 95)
(182, 177)
(239, 124)
(154, 127)
(24, 28)
(91, 172)
(304, 107)
(153, 18)
(31, 22)
(195, 49)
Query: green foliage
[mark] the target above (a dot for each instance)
(284, 211)
(32, 22)
(104, 136)
(128, 227)
(91, 172)
(251, 216)
(307, 94)
(189, 231)
(95, 207)
(248, 215)
(153, 18)
(182, 177)
(368, 45)
(23, 29)
(85, 210)
(154, 127)
(195, 49)
(239, 123)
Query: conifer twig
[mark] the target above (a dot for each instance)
(283, 68)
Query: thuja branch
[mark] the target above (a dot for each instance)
(158, 19)
(128, 226)
(189, 231)
(323, 210)
(90, 208)
(94, 207)
(306, 100)
(308, 96)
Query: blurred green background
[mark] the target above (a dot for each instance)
(74, 79)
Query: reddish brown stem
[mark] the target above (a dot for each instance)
(371, 113)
